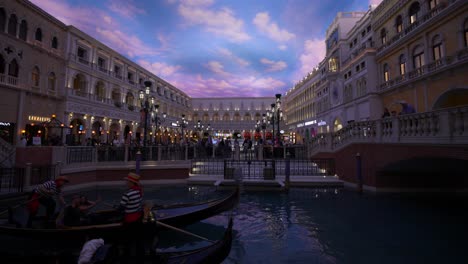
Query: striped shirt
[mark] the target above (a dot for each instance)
(48, 189)
(132, 201)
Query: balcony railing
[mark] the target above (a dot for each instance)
(8, 80)
(445, 126)
(425, 18)
(435, 66)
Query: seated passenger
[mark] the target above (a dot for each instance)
(72, 214)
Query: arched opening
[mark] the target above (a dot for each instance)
(386, 72)
(99, 91)
(452, 98)
(2, 65)
(226, 117)
(77, 132)
(12, 25)
(38, 35)
(79, 85)
(216, 117)
(127, 135)
(337, 125)
(414, 12)
(383, 36)
(51, 81)
(129, 99)
(237, 117)
(247, 117)
(35, 77)
(96, 133)
(116, 97)
(23, 30)
(418, 57)
(399, 24)
(402, 61)
(54, 43)
(2, 19)
(13, 68)
(113, 134)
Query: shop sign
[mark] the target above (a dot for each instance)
(39, 118)
(308, 123)
(322, 123)
(5, 124)
(300, 125)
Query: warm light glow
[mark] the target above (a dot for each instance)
(23, 131)
(53, 116)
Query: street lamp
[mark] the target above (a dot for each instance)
(183, 124)
(147, 106)
(200, 127)
(276, 115)
(264, 127)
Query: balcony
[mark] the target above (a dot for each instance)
(83, 60)
(9, 80)
(425, 19)
(445, 63)
(118, 76)
(102, 69)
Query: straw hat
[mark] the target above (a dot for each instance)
(133, 177)
(62, 178)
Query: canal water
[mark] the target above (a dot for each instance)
(323, 225)
(334, 226)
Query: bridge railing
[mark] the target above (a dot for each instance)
(444, 126)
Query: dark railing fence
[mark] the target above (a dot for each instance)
(261, 169)
(12, 180)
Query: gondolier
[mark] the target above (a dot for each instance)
(131, 205)
(44, 194)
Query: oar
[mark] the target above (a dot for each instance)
(21, 204)
(183, 231)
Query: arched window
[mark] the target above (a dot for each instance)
(418, 57)
(2, 65)
(116, 95)
(386, 72)
(23, 33)
(332, 65)
(35, 76)
(383, 36)
(129, 99)
(2, 20)
(399, 24)
(13, 68)
(465, 32)
(12, 25)
(38, 35)
(413, 12)
(402, 61)
(432, 4)
(437, 48)
(79, 85)
(51, 81)
(99, 91)
(54, 43)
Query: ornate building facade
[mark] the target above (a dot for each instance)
(402, 56)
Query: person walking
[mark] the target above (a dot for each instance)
(44, 194)
(131, 204)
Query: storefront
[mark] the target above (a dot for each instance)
(7, 131)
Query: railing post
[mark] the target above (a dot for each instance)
(237, 152)
(395, 129)
(126, 154)
(95, 154)
(359, 172)
(27, 176)
(260, 152)
(329, 142)
(150, 153)
(159, 152)
(284, 152)
(186, 151)
(445, 126)
(58, 169)
(378, 130)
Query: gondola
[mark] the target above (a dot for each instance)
(214, 253)
(106, 224)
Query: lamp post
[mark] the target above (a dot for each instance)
(200, 127)
(263, 127)
(277, 115)
(147, 105)
(182, 124)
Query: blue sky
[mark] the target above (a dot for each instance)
(212, 48)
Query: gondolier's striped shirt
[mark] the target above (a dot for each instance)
(48, 188)
(131, 201)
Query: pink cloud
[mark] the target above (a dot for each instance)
(99, 25)
(271, 29)
(219, 22)
(375, 2)
(274, 65)
(312, 55)
(126, 8)
(160, 68)
(227, 54)
(216, 67)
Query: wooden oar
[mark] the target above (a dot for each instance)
(183, 231)
(21, 204)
